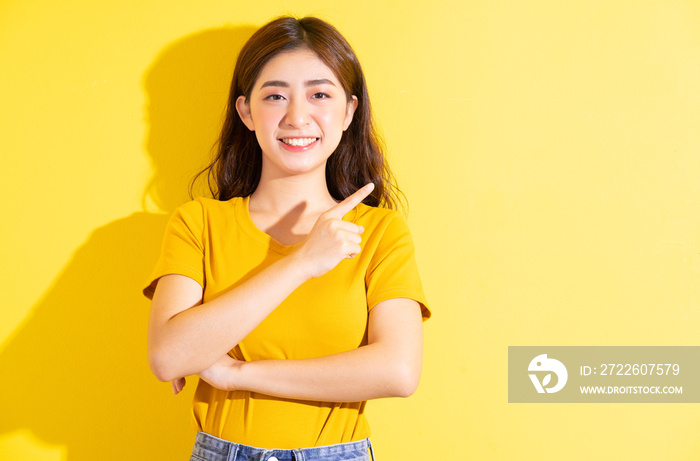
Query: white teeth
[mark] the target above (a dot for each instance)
(298, 141)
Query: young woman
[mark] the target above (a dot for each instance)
(293, 295)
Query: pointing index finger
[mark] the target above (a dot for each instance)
(351, 202)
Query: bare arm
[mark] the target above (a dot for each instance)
(186, 336)
(185, 341)
(388, 366)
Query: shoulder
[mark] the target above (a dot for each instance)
(203, 208)
(368, 213)
(385, 230)
(200, 214)
(212, 205)
(379, 219)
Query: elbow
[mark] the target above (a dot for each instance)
(405, 388)
(405, 379)
(163, 375)
(161, 367)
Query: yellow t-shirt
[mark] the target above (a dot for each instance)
(217, 244)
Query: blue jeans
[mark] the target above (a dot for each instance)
(210, 448)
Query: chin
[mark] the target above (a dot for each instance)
(298, 166)
(301, 170)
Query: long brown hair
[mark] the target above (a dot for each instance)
(358, 159)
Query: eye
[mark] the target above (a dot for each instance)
(320, 95)
(273, 97)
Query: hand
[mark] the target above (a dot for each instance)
(178, 384)
(331, 239)
(222, 374)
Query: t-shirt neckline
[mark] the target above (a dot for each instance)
(243, 212)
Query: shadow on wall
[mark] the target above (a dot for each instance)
(75, 373)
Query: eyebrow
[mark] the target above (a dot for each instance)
(283, 84)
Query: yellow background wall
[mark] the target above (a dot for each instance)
(549, 150)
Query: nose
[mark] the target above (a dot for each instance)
(298, 115)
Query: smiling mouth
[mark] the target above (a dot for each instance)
(298, 142)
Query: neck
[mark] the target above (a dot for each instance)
(283, 194)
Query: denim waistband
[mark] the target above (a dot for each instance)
(210, 448)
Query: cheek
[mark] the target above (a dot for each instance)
(333, 120)
(266, 119)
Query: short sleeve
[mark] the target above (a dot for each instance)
(392, 272)
(182, 251)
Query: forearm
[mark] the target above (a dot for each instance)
(195, 338)
(366, 373)
(389, 366)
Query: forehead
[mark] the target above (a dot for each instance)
(294, 66)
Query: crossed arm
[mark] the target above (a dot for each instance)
(388, 366)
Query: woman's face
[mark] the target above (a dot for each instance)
(298, 110)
